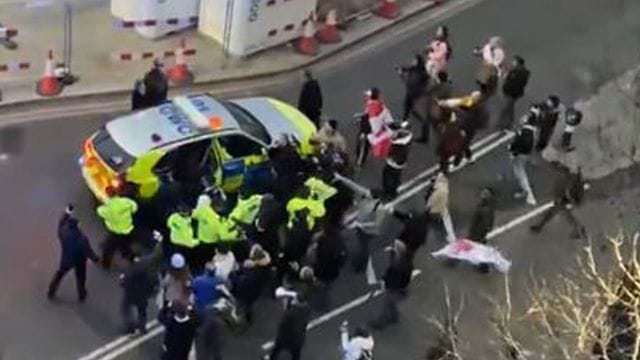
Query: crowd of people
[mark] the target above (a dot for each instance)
(207, 262)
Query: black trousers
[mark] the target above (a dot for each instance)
(113, 243)
(362, 149)
(544, 137)
(390, 180)
(293, 348)
(80, 269)
(507, 113)
(126, 307)
(555, 210)
(361, 256)
(409, 103)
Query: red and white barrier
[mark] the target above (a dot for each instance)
(49, 85)
(329, 32)
(15, 66)
(307, 44)
(6, 33)
(389, 9)
(179, 74)
(123, 24)
(137, 56)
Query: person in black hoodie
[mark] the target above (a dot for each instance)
(396, 161)
(138, 285)
(180, 329)
(156, 84)
(415, 78)
(330, 256)
(396, 282)
(520, 149)
(75, 252)
(415, 229)
(551, 110)
(292, 329)
(310, 100)
(483, 220)
(249, 281)
(513, 88)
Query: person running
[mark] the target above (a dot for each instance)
(519, 151)
(415, 79)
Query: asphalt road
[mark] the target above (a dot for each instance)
(571, 46)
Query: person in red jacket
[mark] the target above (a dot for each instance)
(373, 109)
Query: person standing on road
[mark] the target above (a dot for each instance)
(568, 193)
(358, 346)
(310, 101)
(117, 213)
(156, 84)
(249, 281)
(452, 143)
(292, 329)
(415, 227)
(181, 234)
(138, 285)
(396, 282)
(493, 56)
(435, 114)
(513, 88)
(330, 136)
(367, 226)
(374, 107)
(551, 112)
(180, 329)
(176, 285)
(139, 96)
(519, 151)
(415, 79)
(75, 250)
(330, 256)
(396, 161)
(483, 220)
(438, 52)
(208, 223)
(438, 205)
(573, 118)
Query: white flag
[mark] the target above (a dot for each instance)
(475, 253)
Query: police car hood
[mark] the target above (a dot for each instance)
(277, 117)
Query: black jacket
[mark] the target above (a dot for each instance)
(400, 146)
(310, 101)
(157, 87)
(415, 79)
(482, 220)
(74, 244)
(330, 256)
(523, 142)
(414, 229)
(568, 188)
(248, 283)
(138, 284)
(292, 328)
(398, 275)
(515, 82)
(178, 336)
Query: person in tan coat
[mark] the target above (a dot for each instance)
(438, 205)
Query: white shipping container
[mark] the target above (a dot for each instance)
(253, 25)
(160, 10)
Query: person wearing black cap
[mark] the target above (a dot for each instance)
(75, 252)
(310, 100)
(551, 110)
(513, 88)
(396, 161)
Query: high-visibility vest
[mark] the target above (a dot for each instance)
(319, 189)
(117, 213)
(229, 230)
(315, 208)
(247, 210)
(208, 224)
(181, 231)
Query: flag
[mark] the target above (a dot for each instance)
(475, 253)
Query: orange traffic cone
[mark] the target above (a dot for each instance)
(307, 44)
(49, 85)
(388, 10)
(180, 74)
(329, 33)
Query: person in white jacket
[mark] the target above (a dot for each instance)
(438, 205)
(358, 346)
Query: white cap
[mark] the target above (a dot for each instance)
(157, 236)
(177, 261)
(204, 200)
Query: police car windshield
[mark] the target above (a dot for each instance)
(247, 122)
(110, 152)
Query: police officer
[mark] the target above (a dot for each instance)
(75, 251)
(117, 213)
(396, 161)
(208, 225)
(181, 234)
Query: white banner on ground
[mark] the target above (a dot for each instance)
(475, 253)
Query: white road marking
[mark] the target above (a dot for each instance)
(419, 187)
(519, 220)
(115, 343)
(342, 309)
(133, 344)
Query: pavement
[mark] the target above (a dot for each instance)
(95, 39)
(40, 175)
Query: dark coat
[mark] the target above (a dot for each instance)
(452, 141)
(210, 341)
(138, 101)
(568, 188)
(138, 284)
(310, 101)
(330, 256)
(74, 244)
(415, 79)
(482, 220)
(157, 87)
(414, 229)
(248, 283)
(524, 141)
(292, 328)
(515, 82)
(178, 336)
(398, 274)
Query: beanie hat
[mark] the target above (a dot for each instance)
(204, 200)
(177, 261)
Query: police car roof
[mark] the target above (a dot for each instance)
(182, 118)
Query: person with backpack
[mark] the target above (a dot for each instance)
(520, 149)
(438, 52)
(568, 193)
(358, 345)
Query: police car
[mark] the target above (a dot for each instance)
(191, 137)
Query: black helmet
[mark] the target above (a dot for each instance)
(573, 116)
